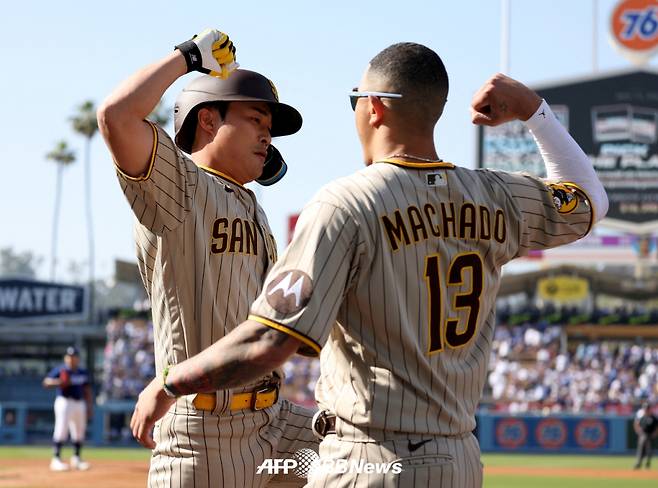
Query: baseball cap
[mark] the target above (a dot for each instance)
(72, 351)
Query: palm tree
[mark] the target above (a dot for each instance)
(84, 123)
(160, 114)
(62, 156)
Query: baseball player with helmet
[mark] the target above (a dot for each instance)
(204, 246)
(392, 277)
(73, 406)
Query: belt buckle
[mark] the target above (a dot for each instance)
(319, 424)
(264, 389)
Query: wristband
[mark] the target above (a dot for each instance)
(169, 391)
(192, 55)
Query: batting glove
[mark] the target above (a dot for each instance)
(210, 52)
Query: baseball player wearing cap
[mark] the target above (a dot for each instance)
(392, 278)
(73, 405)
(204, 247)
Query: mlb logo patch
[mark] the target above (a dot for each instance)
(436, 179)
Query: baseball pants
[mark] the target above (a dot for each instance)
(445, 462)
(644, 450)
(202, 450)
(70, 416)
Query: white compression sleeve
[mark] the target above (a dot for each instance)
(564, 159)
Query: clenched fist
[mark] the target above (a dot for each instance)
(502, 99)
(210, 52)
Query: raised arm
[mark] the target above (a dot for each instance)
(502, 99)
(121, 116)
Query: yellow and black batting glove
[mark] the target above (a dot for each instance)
(211, 52)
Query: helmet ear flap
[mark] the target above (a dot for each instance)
(185, 136)
(274, 167)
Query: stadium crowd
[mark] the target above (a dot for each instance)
(530, 370)
(129, 364)
(301, 374)
(129, 361)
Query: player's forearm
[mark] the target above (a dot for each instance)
(564, 159)
(138, 95)
(248, 353)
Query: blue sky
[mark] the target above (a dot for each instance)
(58, 54)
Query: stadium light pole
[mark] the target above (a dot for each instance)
(595, 35)
(505, 19)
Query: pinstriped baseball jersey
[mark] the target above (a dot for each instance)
(203, 248)
(406, 257)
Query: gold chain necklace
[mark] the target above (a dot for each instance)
(418, 158)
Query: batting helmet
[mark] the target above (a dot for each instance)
(241, 86)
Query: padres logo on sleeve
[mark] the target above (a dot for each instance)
(564, 197)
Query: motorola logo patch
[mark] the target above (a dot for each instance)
(290, 291)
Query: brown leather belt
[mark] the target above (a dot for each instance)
(262, 397)
(323, 424)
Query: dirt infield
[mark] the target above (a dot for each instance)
(33, 473)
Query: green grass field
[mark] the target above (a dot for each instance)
(555, 470)
(557, 464)
(91, 453)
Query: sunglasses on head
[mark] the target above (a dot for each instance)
(356, 94)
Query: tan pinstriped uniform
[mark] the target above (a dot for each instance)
(204, 246)
(406, 258)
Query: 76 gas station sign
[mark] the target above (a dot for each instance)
(634, 29)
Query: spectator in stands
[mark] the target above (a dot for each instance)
(128, 364)
(129, 361)
(530, 371)
(646, 428)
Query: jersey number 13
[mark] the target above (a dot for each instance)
(451, 333)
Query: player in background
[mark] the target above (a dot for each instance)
(204, 247)
(392, 277)
(645, 425)
(73, 406)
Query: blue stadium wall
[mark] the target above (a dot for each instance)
(578, 434)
